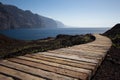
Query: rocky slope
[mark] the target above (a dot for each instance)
(114, 34)
(11, 17)
(113, 31)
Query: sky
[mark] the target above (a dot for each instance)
(74, 13)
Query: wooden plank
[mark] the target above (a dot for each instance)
(62, 61)
(85, 71)
(18, 74)
(79, 52)
(97, 46)
(89, 55)
(89, 48)
(74, 57)
(50, 68)
(35, 71)
(66, 59)
(94, 47)
(90, 52)
(3, 77)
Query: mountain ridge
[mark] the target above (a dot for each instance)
(12, 17)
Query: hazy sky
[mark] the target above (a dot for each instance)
(78, 13)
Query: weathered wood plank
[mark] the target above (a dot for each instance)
(3, 77)
(83, 71)
(86, 48)
(62, 71)
(74, 57)
(90, 52)
(85, 54)
(35, 71)
(18, 74)
(68, 59)
(63, 61)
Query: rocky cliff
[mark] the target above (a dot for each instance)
(11, 17)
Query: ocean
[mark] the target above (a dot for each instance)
(40, 33)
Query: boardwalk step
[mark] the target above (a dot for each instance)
(49, 68)
(88, 55)
(58, 65)
(74, 57)
(63, 61)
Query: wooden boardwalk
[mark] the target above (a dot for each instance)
(73, 63)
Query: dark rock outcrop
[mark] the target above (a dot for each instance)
(114, 35)
(114, 31)
(12, 17)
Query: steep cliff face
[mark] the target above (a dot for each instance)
(12, 17)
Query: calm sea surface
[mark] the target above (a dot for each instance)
(33, 34)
